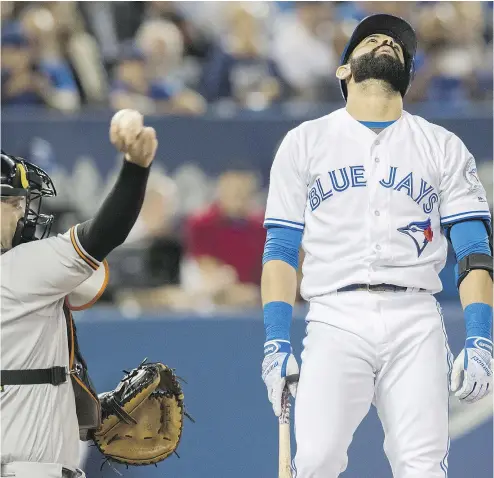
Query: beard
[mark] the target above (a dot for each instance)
(385, 67)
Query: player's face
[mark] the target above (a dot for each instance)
(379, 57)
(381, 45)
(12, 209)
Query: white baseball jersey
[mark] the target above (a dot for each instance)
(372, 205)
(39, 422)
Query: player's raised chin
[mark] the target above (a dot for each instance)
(378, 60)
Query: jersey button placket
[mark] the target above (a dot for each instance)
(378, 201)
(372, 182)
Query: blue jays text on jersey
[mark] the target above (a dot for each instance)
(337, 181)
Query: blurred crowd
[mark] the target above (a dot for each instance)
(198, 241)
(182, 57)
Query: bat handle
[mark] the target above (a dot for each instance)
(285, 406)
(284, 462)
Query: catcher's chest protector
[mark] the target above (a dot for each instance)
(88, 406)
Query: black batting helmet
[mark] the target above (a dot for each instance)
(19, 178)
(395, 27)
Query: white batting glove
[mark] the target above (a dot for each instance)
(279, 367)
(129, 136)
(471, 377)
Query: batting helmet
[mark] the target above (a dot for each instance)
(19, 178)
(396, 28)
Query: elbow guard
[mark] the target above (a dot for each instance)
(472, 262)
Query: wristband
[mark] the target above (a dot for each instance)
(478, 320)
(277, 320)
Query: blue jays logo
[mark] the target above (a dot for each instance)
(420, 232)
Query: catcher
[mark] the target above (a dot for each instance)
(48, 402)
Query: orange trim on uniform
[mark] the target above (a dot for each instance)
(88, 260)
(81, 383)
(97, 296)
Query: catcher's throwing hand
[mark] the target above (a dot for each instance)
(278, 367)
(129, 135)
(471, 376)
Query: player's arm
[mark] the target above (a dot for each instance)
(472, 371)
(118, 213)
(58, 265)
(466, 221)
(279, 274)
(285, 224)
(279, 280)
(470, 241)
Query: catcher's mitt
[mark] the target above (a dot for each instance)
(142, 418)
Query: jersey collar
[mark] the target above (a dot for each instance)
(373, 134)
(377, 124)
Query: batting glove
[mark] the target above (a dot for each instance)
(279, 367)
(471, 376)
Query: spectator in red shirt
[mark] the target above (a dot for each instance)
(226, 242)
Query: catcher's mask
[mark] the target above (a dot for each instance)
(19, 178)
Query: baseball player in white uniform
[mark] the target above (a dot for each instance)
(374, 194)
(40, 426)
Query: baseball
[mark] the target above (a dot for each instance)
(128, 120)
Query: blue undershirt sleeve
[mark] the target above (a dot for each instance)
(282, 244)
(470, 237)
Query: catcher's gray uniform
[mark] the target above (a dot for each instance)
(39, 426)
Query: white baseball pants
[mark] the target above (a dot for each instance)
(383, 348)
(29, 469)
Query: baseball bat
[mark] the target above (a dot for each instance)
(284, 454)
